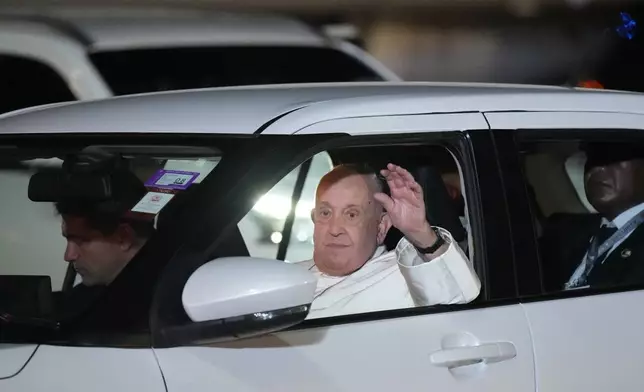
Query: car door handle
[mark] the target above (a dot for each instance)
(468, 355)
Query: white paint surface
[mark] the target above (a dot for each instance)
(384, 355)
(243, 110)
(82, 369)
(588, 344)
(13, 357)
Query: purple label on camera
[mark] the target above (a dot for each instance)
(172, 179)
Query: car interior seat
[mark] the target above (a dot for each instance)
(556, 252)
(574, 166)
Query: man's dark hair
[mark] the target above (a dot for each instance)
(106, 216)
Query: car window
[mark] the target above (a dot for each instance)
(146, 70)
(583, 189)
(263, 227)
(26, 82)
(434, 168)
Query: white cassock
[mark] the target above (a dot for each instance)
(396, 280)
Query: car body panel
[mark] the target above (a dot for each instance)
(244, 110)
(376, 356)
(13, 358)
(565, 120)
(588, 343)
(83, 368)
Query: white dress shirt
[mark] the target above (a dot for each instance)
(395, 280)
(618, 222)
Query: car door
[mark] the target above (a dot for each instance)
(481, 346)
(584, 339)
(58, 368)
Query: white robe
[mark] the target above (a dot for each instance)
(395, 280)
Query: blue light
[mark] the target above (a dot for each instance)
(628, 26)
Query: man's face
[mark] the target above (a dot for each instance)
(349, 225)
(613, 187)
(96, 257)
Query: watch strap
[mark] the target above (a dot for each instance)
(440, 241)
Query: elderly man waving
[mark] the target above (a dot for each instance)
(352, 216)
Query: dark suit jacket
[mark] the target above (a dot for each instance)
(122, 306)
(565, 241)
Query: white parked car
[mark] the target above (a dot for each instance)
(515, 153)
(71, 53)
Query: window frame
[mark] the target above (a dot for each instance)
(530, 275)
(487, 213)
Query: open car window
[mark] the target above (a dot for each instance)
(280, 224)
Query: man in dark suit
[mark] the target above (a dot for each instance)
(605, 249)
(101, 241)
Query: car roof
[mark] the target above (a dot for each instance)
(102, 29)
(247, 109)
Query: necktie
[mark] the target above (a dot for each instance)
(602, 235)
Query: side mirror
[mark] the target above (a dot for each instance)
(235, 297)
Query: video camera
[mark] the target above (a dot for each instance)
(87, 177)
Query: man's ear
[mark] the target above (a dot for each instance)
(125, 236)
(383, 227)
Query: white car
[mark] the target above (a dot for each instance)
(207, 308)
(67, 53)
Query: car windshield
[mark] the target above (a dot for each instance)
(103, 186)
(148, 70)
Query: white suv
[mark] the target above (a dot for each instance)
(84, 54)
(511, 152)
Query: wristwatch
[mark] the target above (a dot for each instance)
(434, 247)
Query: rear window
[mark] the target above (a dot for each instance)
(148, 70)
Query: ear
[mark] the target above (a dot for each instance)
(383, 227)
(125, 236)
